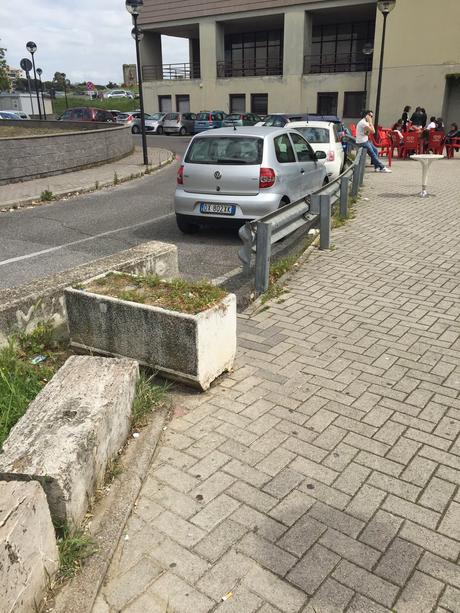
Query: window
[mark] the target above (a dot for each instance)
(183, 103)
(303, 150)
(338, 47)
(283, 149)
(327, 103)
(259, 104)
(253, 54)
(165, 104)
(224, 150)
(354, 103)
(237, 103)
(171, 117)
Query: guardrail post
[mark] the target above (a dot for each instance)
(324, 222)
(355, 180)
(263, 253)
(344, 189)
(362, 166)
(245, 252)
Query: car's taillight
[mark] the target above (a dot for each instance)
(330, 156)
(267, 178)
(180, 176)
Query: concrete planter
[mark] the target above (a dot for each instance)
(194, 349)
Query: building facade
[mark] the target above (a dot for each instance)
(268, 56)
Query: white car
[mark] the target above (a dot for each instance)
(20, 114)
(323, 136)
(119, 93)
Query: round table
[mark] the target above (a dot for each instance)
(426, 160)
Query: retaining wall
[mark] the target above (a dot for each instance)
(89, 144)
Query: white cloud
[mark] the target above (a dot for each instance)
(89, 40)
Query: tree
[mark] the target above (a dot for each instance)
(59, 80)
(111, 85)
(4, 80)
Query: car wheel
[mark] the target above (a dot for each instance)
(135, 130)
(183, 131)
(186, 227)
(159, 130)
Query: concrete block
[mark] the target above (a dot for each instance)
(71, 430)
(28, 552)
(194, 349)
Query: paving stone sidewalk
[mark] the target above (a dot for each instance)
(16, 194)
(323, 474)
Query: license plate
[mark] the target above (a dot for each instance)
(219, 209)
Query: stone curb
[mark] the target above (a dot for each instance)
(112, 513)
(19, 204)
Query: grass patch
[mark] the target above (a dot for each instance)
(74, 546)
(147, 398)
(17, 131)
(46, 195)
(175, 295)
(20, 379)
(120, 104)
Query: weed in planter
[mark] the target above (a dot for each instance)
(113, 470)
(74, 546)
(131, 296)
(37, 341)
(148, 397)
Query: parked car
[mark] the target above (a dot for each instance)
(179, 123)
(87, 113)
(232, 175)
(324, 136)
(119, 93)
(208, 120)
(7, 115)
(153, 123)
(20, 114)
(241, 119)
(279, 120)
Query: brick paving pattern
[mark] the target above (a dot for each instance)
(323, 474)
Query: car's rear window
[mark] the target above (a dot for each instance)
(203, 116)
(315, 135)
(156, 116)
(234, 116)
(123, 115)
(226, 150)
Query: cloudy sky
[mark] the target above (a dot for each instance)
(89, 40)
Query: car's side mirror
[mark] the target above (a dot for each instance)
(320, 155)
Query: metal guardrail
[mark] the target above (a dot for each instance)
(312, 211)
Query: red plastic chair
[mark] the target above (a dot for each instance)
(397, 143)
(436, 141)
(412, 144)
(384, 144)
(452, 146)
(352, 127)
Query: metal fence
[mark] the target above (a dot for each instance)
(312, 211)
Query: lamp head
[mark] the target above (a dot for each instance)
(134, 6)
(31, 47)
(386, 6)
(39, 72)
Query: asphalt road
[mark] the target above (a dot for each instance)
(41, 241)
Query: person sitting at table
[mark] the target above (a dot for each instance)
(398, 127)
(417, 117)
(439, 124)
(454, 132)
(432, 124)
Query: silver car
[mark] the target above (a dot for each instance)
(234, 175)
(179, 123)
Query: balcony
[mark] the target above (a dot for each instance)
(171, 72)
(349, 62)
(254, 68)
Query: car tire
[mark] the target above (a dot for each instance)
(183, 131)
(135, 130)
(186, 227)
(160, 130)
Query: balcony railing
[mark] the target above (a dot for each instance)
(349, 62)
(171, 72)
(257, 68)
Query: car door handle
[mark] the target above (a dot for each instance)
(302, 171)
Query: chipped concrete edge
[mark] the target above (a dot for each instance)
(19, 204)
(111, 515)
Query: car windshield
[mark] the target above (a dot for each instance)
(156, 116)
(234, 117)
(226, 150)
(315, 135)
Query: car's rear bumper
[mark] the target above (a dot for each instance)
(247, 207)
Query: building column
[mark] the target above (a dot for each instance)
(211, 49)
(151, 56)
(297, 42)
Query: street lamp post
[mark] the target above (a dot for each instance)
(40, 72)
(26, 65)
(66, 82)
(31, 48)
(385, 7)
(134, 7)
(367, 50)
